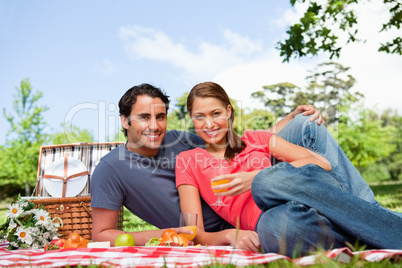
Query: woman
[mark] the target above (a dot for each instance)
(284, 213)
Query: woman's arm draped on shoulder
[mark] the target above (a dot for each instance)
(305, 109)
(296, 155)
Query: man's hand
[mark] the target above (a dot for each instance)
(305, 110)
(242, 239)
(308, 110)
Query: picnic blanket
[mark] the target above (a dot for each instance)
(167, 256)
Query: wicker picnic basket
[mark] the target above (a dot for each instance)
(66, 201)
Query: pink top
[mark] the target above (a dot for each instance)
(194, 167)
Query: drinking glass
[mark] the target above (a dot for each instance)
(217, 170)
(189, 221)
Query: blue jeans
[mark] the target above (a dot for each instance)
(308, 208)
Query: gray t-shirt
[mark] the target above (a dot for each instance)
(146, 186)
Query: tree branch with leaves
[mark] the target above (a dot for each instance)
(318, 29)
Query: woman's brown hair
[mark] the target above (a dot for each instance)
(212, 90)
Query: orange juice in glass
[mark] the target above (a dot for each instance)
(215, 183)
(189, 221)
(218, 170)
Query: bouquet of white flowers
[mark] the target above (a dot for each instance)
(28, 226)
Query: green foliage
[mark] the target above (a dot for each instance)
(372, 142)
(70, 134)
(28, 124)
(19, 155)
(393, 163)
(329, 86)
(258, 119)
(283, 103)
(19, 158)
(179, 118)
(317, 29)
(363, 137)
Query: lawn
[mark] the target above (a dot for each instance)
(389, 194)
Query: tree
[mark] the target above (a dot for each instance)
(258, 119)
(362, 136)
(316, 30)
(283, 103)
(61, 137)
(179, 118)
(393, 163)
(19, 160)
(329, 87)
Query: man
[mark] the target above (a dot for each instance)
(141, 174)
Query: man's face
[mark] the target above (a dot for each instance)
(146, 126)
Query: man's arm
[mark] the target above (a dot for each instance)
(104, 228)
(305, 109)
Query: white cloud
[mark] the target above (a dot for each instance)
(242, 65)
(206, 61)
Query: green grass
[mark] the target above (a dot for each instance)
(389, 194)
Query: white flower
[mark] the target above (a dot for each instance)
(28, 239)
(12, 224)
(42, 228)
(14, 210)
(47, 236)
(24, 234)
(42, 217)
(35, 230)
(23, 203)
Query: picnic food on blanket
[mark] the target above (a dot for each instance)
(124, 240)
(154, 241)
(75, 241)
(170, 238)
(55, 244)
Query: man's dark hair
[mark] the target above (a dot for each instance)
(130, 97)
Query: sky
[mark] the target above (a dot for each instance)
(84, 55)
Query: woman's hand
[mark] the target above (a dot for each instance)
(308, 110)
(243, 239)
(239, 183)
(182, 230)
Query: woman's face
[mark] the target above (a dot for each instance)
(210, 119)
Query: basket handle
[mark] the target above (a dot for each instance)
(86, 209)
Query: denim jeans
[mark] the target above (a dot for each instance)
(309, 208)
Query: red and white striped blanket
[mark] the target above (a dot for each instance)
(168, 256)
